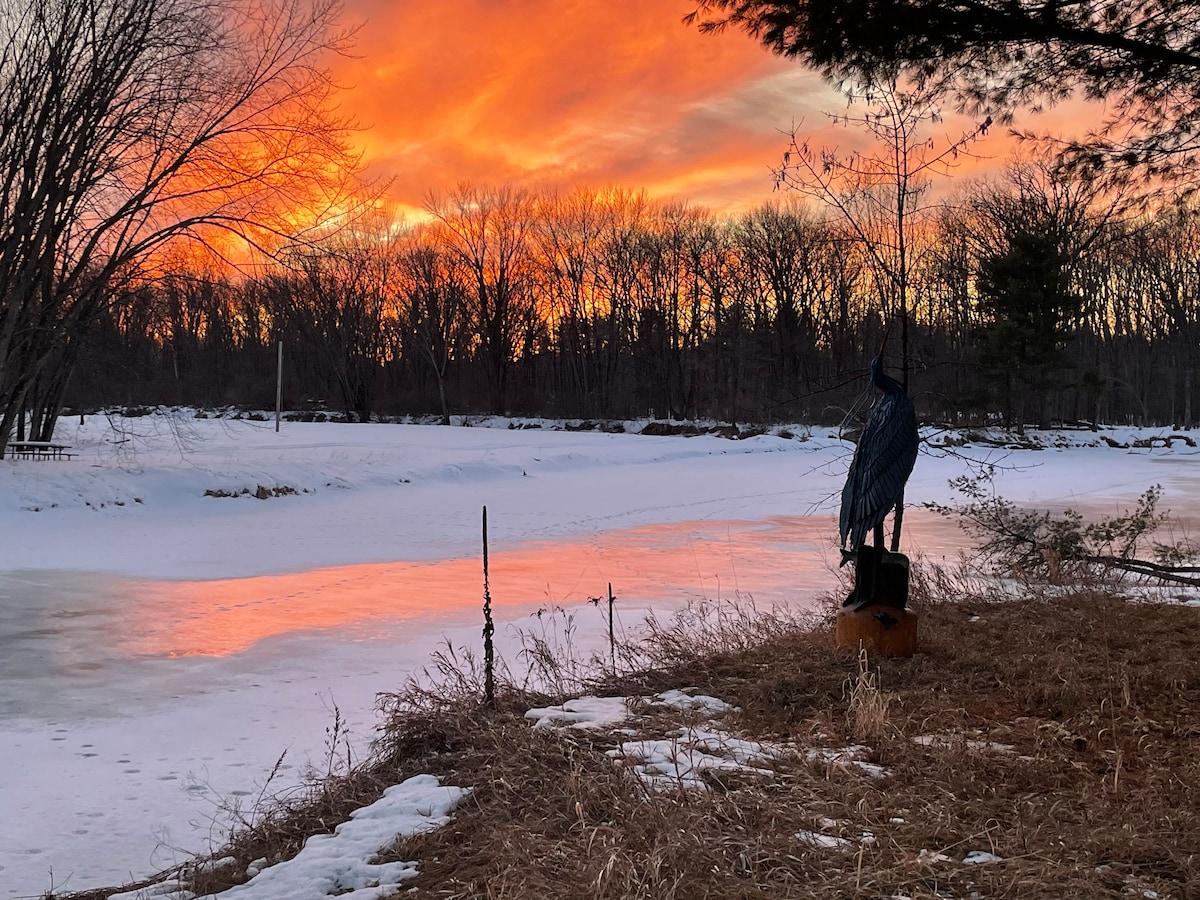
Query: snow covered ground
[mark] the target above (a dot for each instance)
(160, 647)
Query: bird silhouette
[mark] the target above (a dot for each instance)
(882, 464)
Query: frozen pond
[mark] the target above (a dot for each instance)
(165, 637)
(87, 645)
(180, 696)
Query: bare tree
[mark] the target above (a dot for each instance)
(783, 246)
(1167, 257)
(619, 264)
(569, 241)
(882, 194)
(128, 125)
(431, 298)
(489, 229)
(340, 300)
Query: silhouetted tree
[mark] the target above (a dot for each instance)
(880, 194)
(1033, 232)
(431, 304)
(343, 308)
(127, 125)
(489, 230)
(1024, 290)
(570, 244)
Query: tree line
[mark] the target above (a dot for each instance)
(143, 144)
(1037, 297)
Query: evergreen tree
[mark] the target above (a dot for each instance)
(1025, 295)
(1142, 57)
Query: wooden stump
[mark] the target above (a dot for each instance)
(882, 630)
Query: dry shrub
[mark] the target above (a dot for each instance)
(707, 628)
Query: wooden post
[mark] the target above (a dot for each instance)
(612, 638)
(882, 630)
(875, 616)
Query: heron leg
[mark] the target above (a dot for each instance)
(898, 522)
(877, 564)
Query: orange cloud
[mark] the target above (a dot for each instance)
(555, 93)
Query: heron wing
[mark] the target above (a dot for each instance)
(882, 463)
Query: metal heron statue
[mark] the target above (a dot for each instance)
(882, 463)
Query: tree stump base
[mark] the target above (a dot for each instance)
(882, 630)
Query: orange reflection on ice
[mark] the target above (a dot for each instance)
(780, 560)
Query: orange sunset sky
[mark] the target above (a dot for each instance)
(557, 93)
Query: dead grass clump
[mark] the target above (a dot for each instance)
(552, 816)
(733, 647)
(867, 714)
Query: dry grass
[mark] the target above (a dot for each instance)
(1094, 793)
(867, 712)
(1061, 732)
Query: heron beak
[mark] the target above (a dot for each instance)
(883, 343)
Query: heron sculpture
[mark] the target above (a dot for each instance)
(882, 463)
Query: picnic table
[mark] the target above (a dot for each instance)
(37, 450)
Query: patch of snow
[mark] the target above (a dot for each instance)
(676, 761)
(697, 702)
(928, 857)
(681, 760)
(980, 857)
(582, 712)
(337, 864)
(208, 866)
(256, 866)
(950, 740)
(847, 758)
(824, 841)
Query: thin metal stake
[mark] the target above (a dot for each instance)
(278, 387)
(489, 681)
(612, 640)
